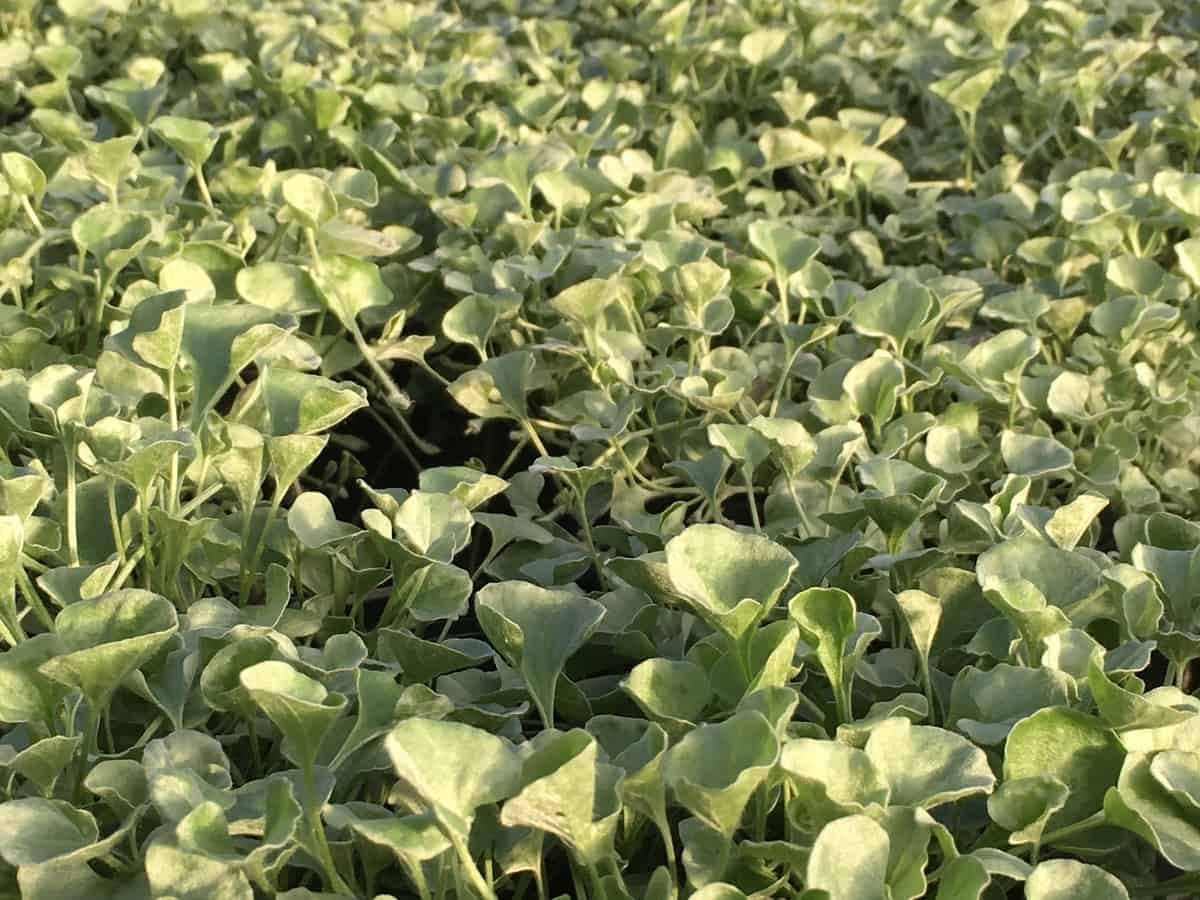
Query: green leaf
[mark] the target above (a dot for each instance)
(731, 579)
(965, 89)
(1071, 746)
(313, 521)
(193, 140)
(791, 444)
(716, 767)
(498, 387)
(438, 526)
(12, 537)
(638, 748)
(997, 20)
(299, 403)
(895, 311)
(114, 237)
(718, 891)
(1188, 253)
(873, 385)
(120, 783)
(849, 860)
(33, 830)
(537, 631)
(671, 692)
(470, 321)
(581, 479)
(923, 614)
(299, 706)
(909, 830)
(1027, 608)
(1024, 806)
(184, 770)
(470, 487)
(452, 769)
(423, 660)
(291, 455)
(964, 878)
(1156, 798)
(517, 167)
(414, 838)
(926, 766)
(986, 704)
(154, 334)
(43, 762)
(998, 361)
(1068, 879)
(219, 341)
(107, 161)
(309, 199)
(279, 286)
(220, 681)
(585, 303)
(350, 286)
(1036, 457)
(1125, 710)
(197, 863)
(1064, 578)
(24, 175)
(741, 443)
(569, 793)
(59, 60)
(827, 620)
(108, 638)
(830, 780)
(764, 45)
(787, 249)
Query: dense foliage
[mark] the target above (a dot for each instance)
(612, 449)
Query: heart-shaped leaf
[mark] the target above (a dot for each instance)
(715, 768)
(730, 578)
(299, 706)
(452, 769)
(108, 638)
(569, 793)
(537, 631)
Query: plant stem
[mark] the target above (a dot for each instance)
(173, 413)
(333, 878)
(202, 185)
(1093, 821)
(29, 592)
(927, 683)
(136, 556)
(395, 397)
(259, 546)
(841, 696)
(310, 239)
(578, 885)
(535, 437)
(1181, 676)
(255, 749)
(33, 216)
(478, 882)
(518, 446)
(91, 735)
(72, 528)
(115, 521)
(751, 499)
(144, 510)
(595, 885)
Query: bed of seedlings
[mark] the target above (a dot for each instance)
(599, 449)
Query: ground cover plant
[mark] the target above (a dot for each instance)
(611, 450)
